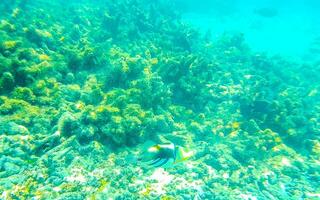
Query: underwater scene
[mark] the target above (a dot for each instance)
(159, 99)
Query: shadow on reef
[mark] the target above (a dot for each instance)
(282, 108)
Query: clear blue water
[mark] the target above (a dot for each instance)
(292, 31)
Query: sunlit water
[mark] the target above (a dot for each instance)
(289, 28)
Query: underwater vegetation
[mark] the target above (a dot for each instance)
(83, 85)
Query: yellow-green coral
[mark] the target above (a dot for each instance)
(15, 12)
(103, 185)
(9, 44)
(7, 26)
(117, 119)
(25, 190)
(44, 57)
(49, 87)
(146, 191)
(316, 148)
(23, 93)
(167, 197)
(39, 69)
(108, 108)
(12, 105)
(43, 33)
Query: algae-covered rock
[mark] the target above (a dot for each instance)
(92, 92)
(12, 128)
(38, 36)
(68, 125)
(7, 26)
(71, 92)
(86, 134)
(70, 77)
(5, 64)
(71, 196)
(9, 45)
(23, 93)
(10, 169)
(10, 106)
(115, 130)
(220, 158)
(153, 93)
(7, 82)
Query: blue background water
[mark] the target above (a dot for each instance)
(294, 30)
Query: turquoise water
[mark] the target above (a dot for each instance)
(168, 100)
(290, 29)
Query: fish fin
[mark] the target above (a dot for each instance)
(162, 162)
(154, 161)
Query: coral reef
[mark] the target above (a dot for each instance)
(84, 84)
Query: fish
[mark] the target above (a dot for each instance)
(266, 12)
(167, 154)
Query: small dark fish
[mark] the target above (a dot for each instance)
(266, 12)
